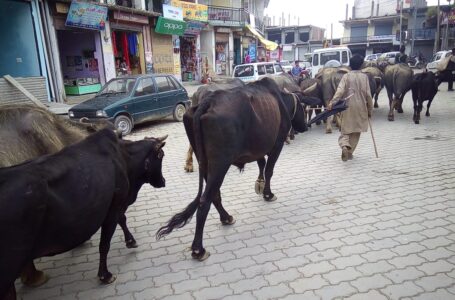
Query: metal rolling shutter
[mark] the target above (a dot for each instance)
(35, 85)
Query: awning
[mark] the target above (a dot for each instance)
(269, 45)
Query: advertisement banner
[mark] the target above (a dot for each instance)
(194, 28)
(192, 11)
(252, 52)
(168, 26)
(86, 15)
(163, 56)
(172, 12)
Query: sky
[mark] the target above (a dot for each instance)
(320, 13)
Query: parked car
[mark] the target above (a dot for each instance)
(286, 65)
(432, 65)
(321, 56)
(373, 57)
(131, 100)
(254, 71)
(388, 56)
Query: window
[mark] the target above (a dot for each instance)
(274, 36)
(304, 36)
(261, 70)
(289, 37)
(244, 71)
(269, 69)
(315, 60)
(344, 57)
(145, 87)
(163, 84)
(278, 68)
(174, 82)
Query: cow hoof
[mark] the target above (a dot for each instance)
(200, 256)
(376, 105)
(427, 114)
(131, 244)
(270, 198)
(108, 278)
(400, 110)
(229, 221)
(259, 186)
(391, 118)
(416, 121)
(38, 278)
(189, 169)
(328, 131)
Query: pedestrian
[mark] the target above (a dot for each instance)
(247, 58)
(447, 72)
(296, 69)
(354, 119)
(401, 57)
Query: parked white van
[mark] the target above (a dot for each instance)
(321, 56)
(254, 71)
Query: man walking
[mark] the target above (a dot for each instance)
(296, 69)
(354, 119)
(447, 73)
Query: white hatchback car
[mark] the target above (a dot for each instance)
(254, 71)
(437, 58)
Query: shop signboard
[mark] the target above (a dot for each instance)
(86, 15)
(194, 28)
(128, 17)
(252, 52)
(172, 12)
(169, 26)
(192, 11)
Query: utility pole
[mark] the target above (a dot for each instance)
(414, 17)
(401, 23)
(436, 40)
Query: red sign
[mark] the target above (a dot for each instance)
(128, 17)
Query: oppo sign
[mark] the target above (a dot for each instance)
(171, 26)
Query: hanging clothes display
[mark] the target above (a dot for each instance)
(126, 56)
(114, 43)
(132, 43)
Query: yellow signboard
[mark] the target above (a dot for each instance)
(192, 11)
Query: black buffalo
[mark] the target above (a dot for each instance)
(236, 127)
(223, 84)
(56, 202)
(424, 87)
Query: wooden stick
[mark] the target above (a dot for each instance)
(372, 136)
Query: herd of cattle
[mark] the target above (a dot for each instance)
(61, 181)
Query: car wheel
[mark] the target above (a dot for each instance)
(123, 124)
(179, 111)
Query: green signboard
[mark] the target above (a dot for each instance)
(168, 26)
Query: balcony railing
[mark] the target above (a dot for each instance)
(422, 34)
(227, 16)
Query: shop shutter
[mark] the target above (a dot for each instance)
(383, 29)
(35, 85)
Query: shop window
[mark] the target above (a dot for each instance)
(163, 84)
(269, 69)
(145, 87)
(261, 70)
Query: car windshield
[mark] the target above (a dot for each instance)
(437, 56)
(285, 63)
(118, 86)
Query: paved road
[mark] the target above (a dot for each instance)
(364, 229)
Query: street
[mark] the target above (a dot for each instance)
(370, 228)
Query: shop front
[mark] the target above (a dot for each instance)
(196, 18)
(221, 52)
(166, 46)
(128, 40)
(79, 47)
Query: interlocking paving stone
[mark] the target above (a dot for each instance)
(364, 229)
